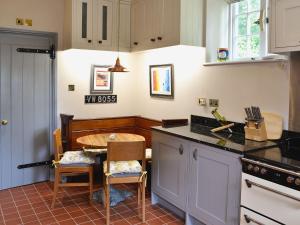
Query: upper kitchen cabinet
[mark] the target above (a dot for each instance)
(160, 23)
(93, 24)
(284, 25)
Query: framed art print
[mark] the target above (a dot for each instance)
(101, 80)
(161, 81)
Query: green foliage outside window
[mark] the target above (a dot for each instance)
(246, 33)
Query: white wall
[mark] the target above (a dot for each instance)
(46, 15)
(236, 86)
(74, 67)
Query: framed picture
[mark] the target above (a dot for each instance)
(161, 81)
(101, 80)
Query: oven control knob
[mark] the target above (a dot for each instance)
(263, 171)
(256, 169)
(297, 181)
(250, 167)
(290, 179)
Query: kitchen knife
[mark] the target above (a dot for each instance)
(247, 113)
(259, 113)
(255, 113)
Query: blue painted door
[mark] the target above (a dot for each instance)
(25, 102)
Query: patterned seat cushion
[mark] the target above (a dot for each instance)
(76, 158)
(123, 167)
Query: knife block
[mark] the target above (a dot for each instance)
(255, 131)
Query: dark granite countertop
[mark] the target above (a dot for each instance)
(235, 142)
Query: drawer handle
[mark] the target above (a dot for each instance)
(89, 41)
(195, 154)
(250, 183)
(249, 220)
(135, 43)
(181, 150)
(152, 39)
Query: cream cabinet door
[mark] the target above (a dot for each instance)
(83, 30)
(103, 23)
(124, 25)
(138, 10)
(285, 25)
(167, 22)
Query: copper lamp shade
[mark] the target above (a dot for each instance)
(118, 67)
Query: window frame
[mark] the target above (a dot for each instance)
(263, 50)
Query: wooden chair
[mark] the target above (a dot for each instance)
(125, 151)
(69, 169)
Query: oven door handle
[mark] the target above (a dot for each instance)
(250, 183)
(249, 220)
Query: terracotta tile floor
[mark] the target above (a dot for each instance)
(30, 205)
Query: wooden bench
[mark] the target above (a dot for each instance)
(75, 128)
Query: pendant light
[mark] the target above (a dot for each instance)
(118, 67)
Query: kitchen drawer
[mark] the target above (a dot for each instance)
(251, 218)
(274, 205)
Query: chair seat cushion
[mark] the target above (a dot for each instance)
(76, 158)
(123, 167)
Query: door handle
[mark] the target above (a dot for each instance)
(180, 150)
(4, 122)
(195, 154)
(249, 220)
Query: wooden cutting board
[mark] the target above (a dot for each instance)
(274, 125)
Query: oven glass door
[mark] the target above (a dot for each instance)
(272, 203)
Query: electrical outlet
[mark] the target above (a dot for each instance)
(214, 102)
(19, 21)
(202, 101)
(28, 22)
(71, 87)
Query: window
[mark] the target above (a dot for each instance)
(248, 29)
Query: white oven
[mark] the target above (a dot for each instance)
(267, 203)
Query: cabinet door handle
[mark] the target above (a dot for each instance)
(159, 38)
(135, 43)
(152, 39)
(181, 150)
(100, 42)
(249, 220)
(89, 41)
(195, 154)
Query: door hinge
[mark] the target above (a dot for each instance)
(50, 51)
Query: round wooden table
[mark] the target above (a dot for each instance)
(100, 140)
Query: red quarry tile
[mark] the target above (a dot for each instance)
(47, 221)
(168, 218)
(67, 222)
(62, 217)
(57, 212)
(27, 219)
(31, 205)
(10, 210)
(82, 219)
(77, 213)
(156, 221)
(13, 222)
(121, 222)
(101, 221)
(26, 212)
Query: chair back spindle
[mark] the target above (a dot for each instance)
(58, 149)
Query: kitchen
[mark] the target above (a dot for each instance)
(236, 86)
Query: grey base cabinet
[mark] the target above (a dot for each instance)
(202, 181)
(214, 185)
(170, 162)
